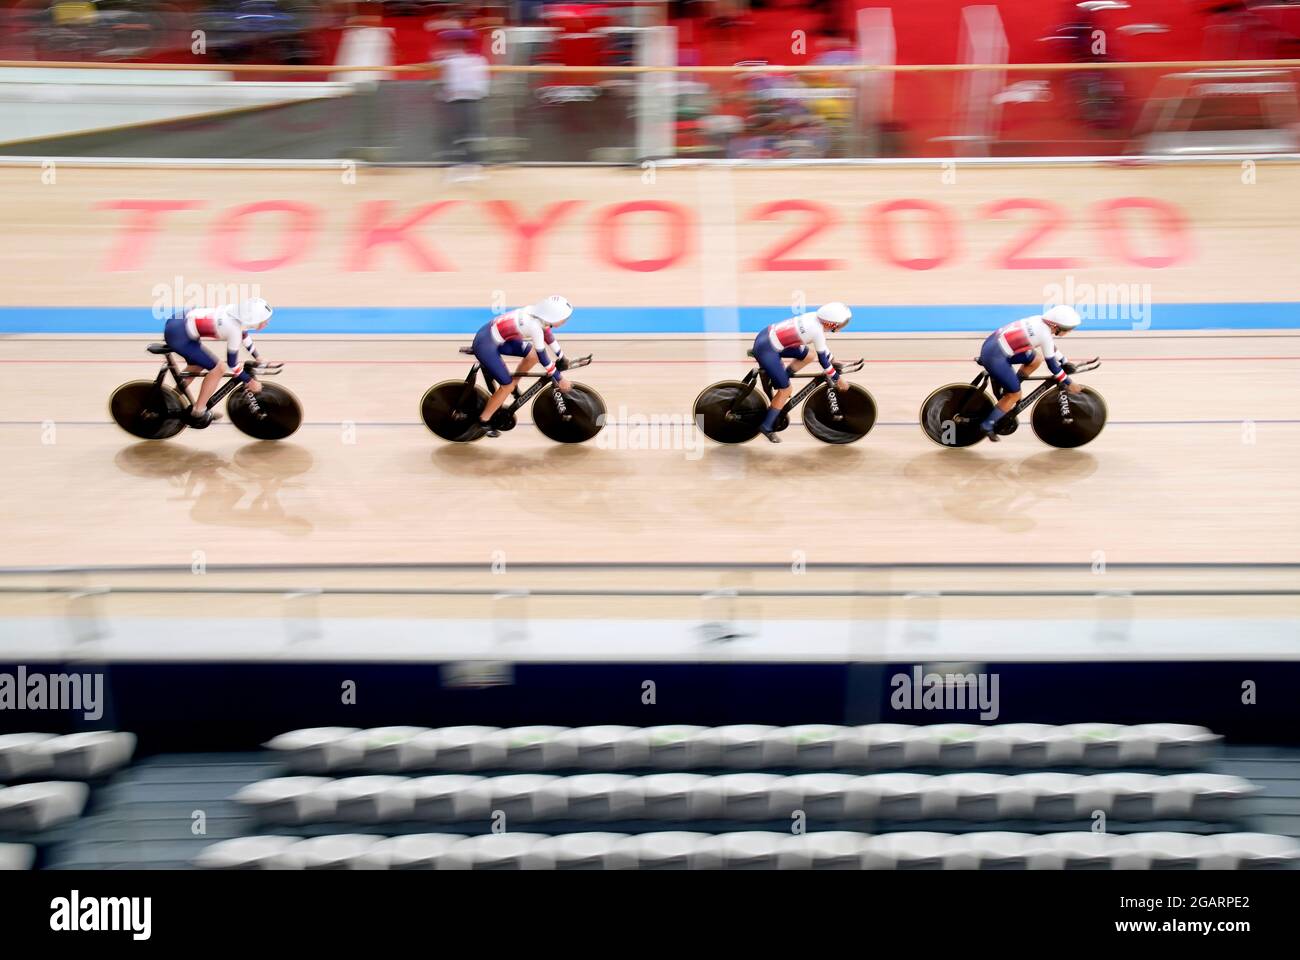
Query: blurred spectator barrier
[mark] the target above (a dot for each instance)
(613, 97)
(663, 611)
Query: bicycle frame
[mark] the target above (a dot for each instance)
(815, 380)
(183, 377)
(519, 399)
(983, 379)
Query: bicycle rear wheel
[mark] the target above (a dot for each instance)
(720, 422)
(451, 413)
(148, 410)
(951, 415)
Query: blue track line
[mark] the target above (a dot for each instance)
(979, 318)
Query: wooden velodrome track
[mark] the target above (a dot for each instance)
(1198, 463)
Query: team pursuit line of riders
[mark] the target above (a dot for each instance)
(1064, 413)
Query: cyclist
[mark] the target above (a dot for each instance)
(526, 332)
(1027, 342)
(789, 340)
(185, 332)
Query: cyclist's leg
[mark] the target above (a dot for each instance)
(178, 339)
(1004, 378)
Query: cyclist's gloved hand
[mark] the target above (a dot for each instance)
(1069, 368)
(562, 364)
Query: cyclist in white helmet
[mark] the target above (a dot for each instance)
(186, 330)
(526, 333)
(789, 340)
(1028, 342)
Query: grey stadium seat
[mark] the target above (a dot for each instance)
(752, 746)
(970, 796)
(587, 851)
(525, 797)
(820, 746)
(1252, 851)
(539, 748)
(945, 745)
(417, 851)
(755, 796)
(678, 850)
(397, 749)
(824, 850)
(19, 756)
(829, 796)
(450, 797)
(1209, 796)
(1088, 744)
(888, 744)
(992, 850)
(349, 851)
(906, 851)
(377, 798)
(1167, 745)
(680, 796)
(288, 799)
(39, 806)
(1171, 851)
(1123, 796)
(604, 796)
(498, 851)
(609, 747)
(245, 853)
(1018, 744)
(469, 748)
(683, 747)
(17, 856)
(894, 796)
(1083, 850)
(319, 749)
(747, 850)
(1051, 796)
(85, 756)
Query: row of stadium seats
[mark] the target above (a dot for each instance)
(746, 796)
(757, 851)
(75, 756)
(745, 747)
(33, 807)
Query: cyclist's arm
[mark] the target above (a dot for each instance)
(824, 354)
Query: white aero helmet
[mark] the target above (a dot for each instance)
(252, 313)
(1067, 318)
(835, 314)
(554, 310)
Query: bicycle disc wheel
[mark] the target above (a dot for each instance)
(834, 417)
(951, 415)
(449, 414)
(272, 414)
(713, 411)
(582, 416)
(148, 410)
(1064, 420)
